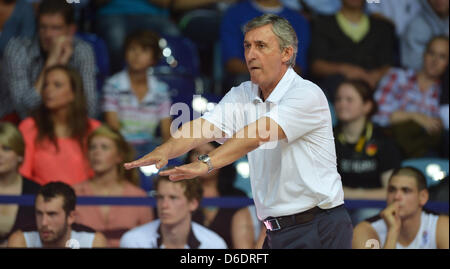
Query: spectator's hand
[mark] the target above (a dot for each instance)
(60, 51)
(430, 124)
(186, 171)
(390, 216)
(354, 72)
(157, 157)
(66, 50)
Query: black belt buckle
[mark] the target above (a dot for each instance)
(272, 224)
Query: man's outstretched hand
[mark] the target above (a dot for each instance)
(155, 157)
(186, 171)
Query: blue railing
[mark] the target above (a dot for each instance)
(229, 202)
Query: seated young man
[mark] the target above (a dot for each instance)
(404, 223)
(55, 216)
(175, 202)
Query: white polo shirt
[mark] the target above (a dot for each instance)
(148, 236)
(292, 175)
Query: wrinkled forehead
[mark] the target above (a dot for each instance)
(263, 33)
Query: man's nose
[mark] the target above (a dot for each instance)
(44, 220)
(398, 196)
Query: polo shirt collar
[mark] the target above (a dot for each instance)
(278, 91)
(192, 241)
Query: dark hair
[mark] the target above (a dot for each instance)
(365, 91)
(77, 117)
(146, 39)
(61, 7)
(411, 172)
(192, 187)
(55, 189)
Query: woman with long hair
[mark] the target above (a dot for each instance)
(107, 151)
(55, 135)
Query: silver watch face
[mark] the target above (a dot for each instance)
(203, 158)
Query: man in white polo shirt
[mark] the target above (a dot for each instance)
(284, 125)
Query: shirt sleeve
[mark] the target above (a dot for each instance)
(18, 81)
(384, 96)
(413, 43)
(298, 115)
(110, 99)
(319, 47)
(226, 115)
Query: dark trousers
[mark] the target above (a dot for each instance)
(330, 229)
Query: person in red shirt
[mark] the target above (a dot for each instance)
(55, 135)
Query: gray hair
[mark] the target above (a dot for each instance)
(281, 28)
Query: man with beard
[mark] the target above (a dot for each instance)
(404, 224)
(55, 216)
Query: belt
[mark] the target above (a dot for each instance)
(278, 223)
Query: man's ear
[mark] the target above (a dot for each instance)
(423, 197)
(287, 54)
(193, 205)
(71, 217)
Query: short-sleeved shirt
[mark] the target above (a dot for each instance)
(120, 218)
(399, 90)
(138, 119)
(330, 43)
(362, 164)
(232, 34)
(149, 236)
(44, 163)
(295, 174)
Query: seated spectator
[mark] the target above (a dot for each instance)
(55, 219)
(135, 102)
(25, 60)
(117, 18)
(16, 19)
(400, 13)
(107, 151)
(350, 45)
(365, 156)
(432, 20)
(234, 225)
(404, 223)
(408, 101)
(232, 37)
(12, 150)
(175, 202)
(55, 136)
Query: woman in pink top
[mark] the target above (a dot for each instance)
(55, 135)
(107, 151)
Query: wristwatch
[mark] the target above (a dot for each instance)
(207, 160)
